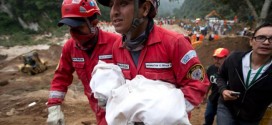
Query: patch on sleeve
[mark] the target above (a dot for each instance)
(196, 72)
(188, 56)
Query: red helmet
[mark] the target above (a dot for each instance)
(79, 8)
(221, 52)
(73, 12)
(153, 12)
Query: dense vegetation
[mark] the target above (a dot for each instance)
(22, 18)
(227, 9)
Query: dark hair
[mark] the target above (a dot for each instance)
(261, 26)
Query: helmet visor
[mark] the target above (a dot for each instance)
(73, 22)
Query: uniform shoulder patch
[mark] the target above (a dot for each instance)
(196, 72)
(188, 56)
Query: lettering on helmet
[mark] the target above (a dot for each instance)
(101, 57)
(158, 65)
(78, 59)
(196, 72)
(123, 66)
(188, 56)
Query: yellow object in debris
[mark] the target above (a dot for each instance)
(196, 44)
(32, 63)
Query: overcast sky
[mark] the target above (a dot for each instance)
(167, 7)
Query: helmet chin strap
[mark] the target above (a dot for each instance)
(135, 23)
(91, 27)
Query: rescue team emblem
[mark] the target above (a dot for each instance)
(78, 59)
(196, 72)
(105, 57)
(158, 65)
(188, 56)
(123, 66)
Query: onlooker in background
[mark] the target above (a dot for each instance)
(245, 82)
(80, 53)
(219, 56)
(156, 53)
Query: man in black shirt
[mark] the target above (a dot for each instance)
(219, 56)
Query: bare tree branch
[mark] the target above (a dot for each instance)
(252, 9)
(4, 8)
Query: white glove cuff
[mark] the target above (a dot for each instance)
(189, 106)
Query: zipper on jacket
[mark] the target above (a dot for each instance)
(245, 91)
(247, 88)
(240, 79)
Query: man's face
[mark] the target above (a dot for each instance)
(121, 14)
(260, 44)
(218, 61)
(82, 29)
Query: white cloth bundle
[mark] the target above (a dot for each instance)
(105, 77)
(148, 101)
(152, 102)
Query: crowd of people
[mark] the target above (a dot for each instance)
(240, 82)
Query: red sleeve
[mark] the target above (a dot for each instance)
(190, 73)
(63, 76)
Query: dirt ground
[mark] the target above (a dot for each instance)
(18, 91)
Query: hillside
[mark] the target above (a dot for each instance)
(232, 43)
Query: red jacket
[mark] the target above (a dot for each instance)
(167, 56)
(74, 59)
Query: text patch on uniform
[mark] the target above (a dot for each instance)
(105, 57)
(158, 65)
(78, 59)
(123, 66)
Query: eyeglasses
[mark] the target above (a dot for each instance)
(262, 39)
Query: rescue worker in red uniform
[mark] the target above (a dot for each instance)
(156, 53)
(81, 53)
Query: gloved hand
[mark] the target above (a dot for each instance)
(55, 116)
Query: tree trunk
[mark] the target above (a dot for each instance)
(5, 9)
(252, 9)
(264, 12)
